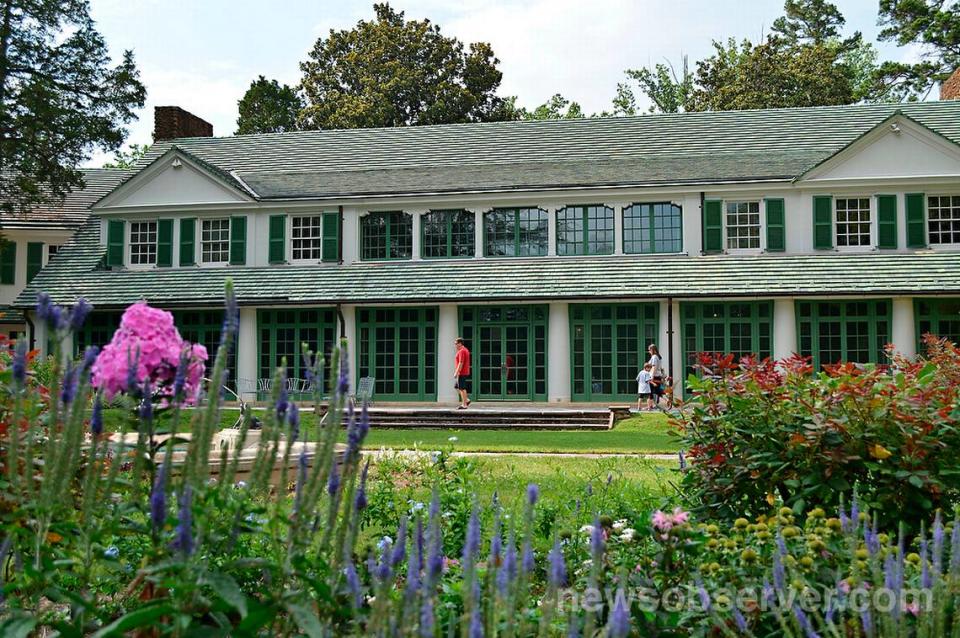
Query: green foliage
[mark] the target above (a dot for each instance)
(556, 108)
(268, 107)
(758, 433)
(397, 72)
(934, 25)
(59, 98)
(129, 158)
(668, 92)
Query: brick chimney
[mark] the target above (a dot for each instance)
(950, 89)
(171, 122)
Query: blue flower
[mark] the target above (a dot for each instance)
(158, 497)
(78, 314)
(596, 540)
(619, 626)
(508, 571)
(333, 480)
(293, 418)
(476, 624)
(804, 622)
(184, 532)
(400, 547)
(683, 460)
(19, 364)
(426, 617)
(533, 494)
(70, 378)
(96, 416)
(740, 620)
(353, 583)
(527, 562)
(146, 403)
(471, 544)
(558, 569)
(180, 378)
(48, 312)
(89, 358)
(360, 500)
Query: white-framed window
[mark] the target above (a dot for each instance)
(305, 235)
(853, 221)
(215, 241)
(143, 243)
(943, 219)
(52, 249)
(742, 221)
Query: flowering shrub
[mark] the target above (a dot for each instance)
(759, 433)
(146, 351)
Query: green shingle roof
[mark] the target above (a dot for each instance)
(73, 211)
(711, 147)
(72, 274)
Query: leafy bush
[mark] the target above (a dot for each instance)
(762, 432)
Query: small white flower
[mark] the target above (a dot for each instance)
(435, 457)
(386, 540)
(112, 552)
(416, 507)
(628, 535)
(619, 525)
(586, 529)
(453, 439)
(587, 563)
(240, 485)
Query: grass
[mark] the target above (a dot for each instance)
(647, 433)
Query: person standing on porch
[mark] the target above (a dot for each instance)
(656, 370)
(461, 373)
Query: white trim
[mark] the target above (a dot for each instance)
(128, 248)
(209, 264)
(761, 226)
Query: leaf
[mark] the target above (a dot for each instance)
(306, 620)
(915, 481)
(879, 452)
(135, 619)
(228, 590)
(17, 627)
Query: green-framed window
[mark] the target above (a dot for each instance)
(508, 348)
(939, 317)
(740, 328)
(282, 331)
(398, 348)
(386, 236)
(97, 330)
(585, 230)
(516, 232)
(607, 347)
(844, 331)
(652, 228)
(448, 233)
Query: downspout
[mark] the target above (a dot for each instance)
(343, 322)
(340, 245)
(703, 238)
(33, 331)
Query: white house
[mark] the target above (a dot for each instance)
(559, 250)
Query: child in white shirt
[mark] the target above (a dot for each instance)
(643, 387)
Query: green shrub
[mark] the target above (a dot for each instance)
(761, 432)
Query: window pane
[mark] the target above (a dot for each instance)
(516, 232)
(943, 215)
(853, 221)
(585, 230)
(143, 243)
(652, 228)
(215, 241)
(448, 234)
(743, 225)
(305, 233)
(386, 236)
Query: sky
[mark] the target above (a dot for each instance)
(203, 54)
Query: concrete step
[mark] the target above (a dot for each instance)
(488, 418)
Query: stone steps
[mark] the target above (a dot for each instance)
(487, 418)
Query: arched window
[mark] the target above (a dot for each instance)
(386, 236)
(516, 232)
(652, 228)
(447, 233)
(585, 230)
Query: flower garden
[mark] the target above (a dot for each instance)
(804, 504)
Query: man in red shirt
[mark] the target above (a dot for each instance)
(461, 373)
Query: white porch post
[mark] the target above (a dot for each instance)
(904, 329)
(446, 334)
(350, 332)
(784, 329)
(477, 233)
(558, 355)
(247, 349)
(551, 230)
(417, 218)
(673, 365)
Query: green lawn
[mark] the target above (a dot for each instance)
(648, 433)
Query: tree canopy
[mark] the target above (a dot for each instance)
(932, 24)
(396, 72)
(60, 98)
(268, 107)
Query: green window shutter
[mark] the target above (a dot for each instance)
(823, 222)
(164, 243)
(188, 242)
(331, 236)
(712, 226)
(776, 226)
(34, 259)
(238, 241)
(886, 221)
(8, 262)
(278, 239)
(916, 221)
(115, 237)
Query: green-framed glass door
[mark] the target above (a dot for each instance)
(608, 345)
(939, 317)
(398, 348)
(508, 347)
(282, 332)
(844, 331)
(740, 328)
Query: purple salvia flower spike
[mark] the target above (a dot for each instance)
(557, 576)
(426, 618)
(333, 480)
(527, 563)
(96, 416)
(619, 625)
(158, 497)
(19, 364)
(400, 548)
(471, 544)
(596, 540)
(353, 583)
(184, 532)
(533, 494)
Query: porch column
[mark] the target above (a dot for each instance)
(446, 334)
(551, 230)
(350, 332)
(558, 353)
(477, 233)
(903, 333)
(247, 350)
(416, 218)
(784, 328)
(667, 343)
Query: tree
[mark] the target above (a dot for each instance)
(59, 98)
(556, 108)
(268, 107)
(809, 22)
(129, 158)
(397, 72)
(667, 92)
(933, 24)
